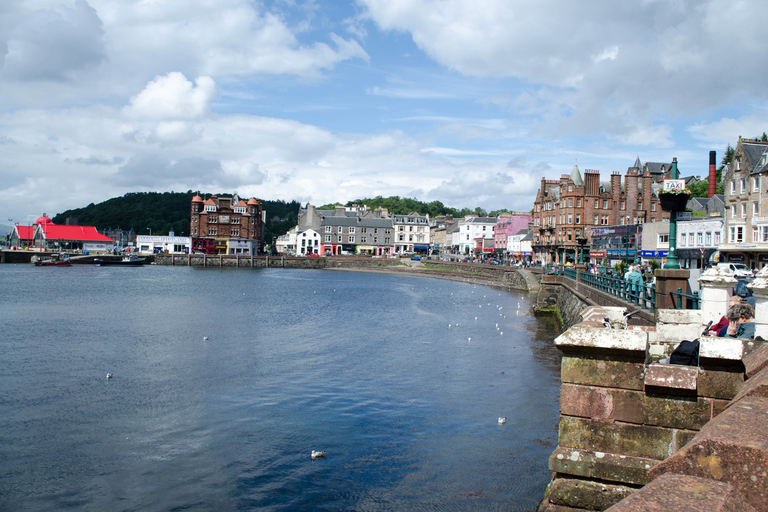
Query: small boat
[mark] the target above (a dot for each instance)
(126, 261)
(56, 260)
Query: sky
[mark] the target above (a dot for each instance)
(466, 102)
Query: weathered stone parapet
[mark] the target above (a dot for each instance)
(624, 416)
(716, 284)
(681, 493)
(733, 449)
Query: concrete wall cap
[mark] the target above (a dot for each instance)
(712, 347)
(718, 276)
(679, 316)
(603, 338)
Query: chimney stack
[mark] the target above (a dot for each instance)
(712, 174)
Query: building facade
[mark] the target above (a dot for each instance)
(745, 182)
(349, 230)
(412, 233)
(567, 210)
(227, 225)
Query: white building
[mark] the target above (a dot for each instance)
(308, 242)
(171, 244)
(286, 244)
(475, 232)
(519, 246)
(411, 232)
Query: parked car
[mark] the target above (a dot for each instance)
(740, 270)
(313, 255)
(416, 258)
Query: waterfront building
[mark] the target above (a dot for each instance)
(227, 225)
(508, 224)
(519, 247)
(567, 210)
(411, 233)
(54, 237)
(308, 242)
(349, 230)
(475, 235)
(21, 237)
(171, 244)
(286, 244)
(745, 181)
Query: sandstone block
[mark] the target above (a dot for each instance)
(634, 407)
(756, 360)
(671, 376)
(619, 438)
(720, 384)
(684, 494)
(732, 448)
(600, 465)
(598, 371)
(585, 494)
(727, 349)
(678, 316)
(756, 386)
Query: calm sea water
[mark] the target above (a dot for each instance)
(361, 365)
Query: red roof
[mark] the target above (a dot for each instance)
(25, 232)
(81, 233)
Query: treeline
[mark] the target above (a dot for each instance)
(162, 212)
(405, 205)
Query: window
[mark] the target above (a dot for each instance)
(363, 239)
(578, 203)
(549, 206)
(538, 207)
(569, 235)
(578, 218)
(410, 228)
(401, 237)
(683, 240)
(743, 187)
(211, 231)
(605, 204)
(623, 205)
(763, 234)
(755, 208)
(754, 235)
(604, 220)
(595, 223)
(213, 220)
(717, 238)
(328, 230)
(621, 221)
(639, 205)
(737, 234)
(597, 203)
(570, 202)
(733, 211)
(570, 218)
(653, 207)
(327, 238)
(664, 239)
(756, 184)
(339, 229)
(708, 238)
(733, 187)
(351, 239)
(338, 239)
(570, 188)
(234, 232)
(700, 239)
(363, 230)
(743, 210)
(351, 229)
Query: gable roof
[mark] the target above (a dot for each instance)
(24, 232)
(80, 233)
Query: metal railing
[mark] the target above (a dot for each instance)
(693, 302)
(570, 272)
(640, 294)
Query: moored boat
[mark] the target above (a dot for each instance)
(126, 261)
(56, 260)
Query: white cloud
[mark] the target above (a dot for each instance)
(173, 97)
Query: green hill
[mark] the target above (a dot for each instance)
(162, 212)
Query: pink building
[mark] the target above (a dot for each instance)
(506, 225)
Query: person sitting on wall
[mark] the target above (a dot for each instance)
(741, 318)
(740, 289)
(722, 325)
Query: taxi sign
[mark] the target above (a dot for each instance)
(674, 184)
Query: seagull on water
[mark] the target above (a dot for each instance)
(109, 376)
(318, 454)
(205, 338)
(502, 420)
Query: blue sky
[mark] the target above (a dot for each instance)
(468, 103)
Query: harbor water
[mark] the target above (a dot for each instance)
(225, 380)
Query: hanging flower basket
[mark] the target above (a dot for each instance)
(673, 202)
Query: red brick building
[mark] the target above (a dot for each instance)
(566, 210)
(226, 225)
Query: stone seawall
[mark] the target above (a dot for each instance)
(491, 275)
(554, 299)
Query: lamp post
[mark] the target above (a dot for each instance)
(672, 262)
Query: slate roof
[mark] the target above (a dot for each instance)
(576, 176)
(481, 220)
(757, 168)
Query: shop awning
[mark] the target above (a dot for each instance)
(421, 247)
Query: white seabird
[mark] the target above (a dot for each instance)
(109, 376)
(318, 454)
(502, 420)
(205, 338)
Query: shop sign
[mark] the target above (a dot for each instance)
(736, 258)
(654, 254)
(763, 258)
(597, 254)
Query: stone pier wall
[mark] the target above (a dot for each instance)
(631, 428)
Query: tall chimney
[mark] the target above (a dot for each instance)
(712, 174)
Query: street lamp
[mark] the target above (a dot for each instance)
(150, 231)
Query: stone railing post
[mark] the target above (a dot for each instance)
(759, 289)
(669, 280)
(716, 284)
(579, 269)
